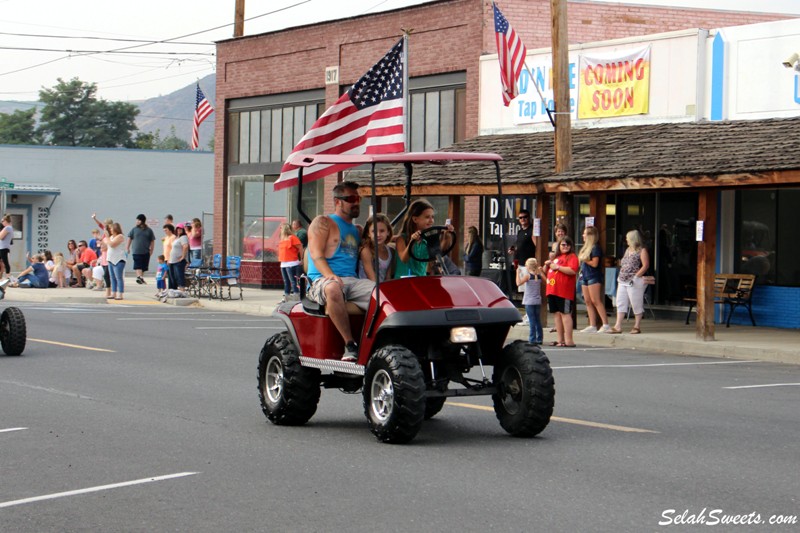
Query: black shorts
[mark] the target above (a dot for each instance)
(4, 258)
(557, 304)
(141, 262)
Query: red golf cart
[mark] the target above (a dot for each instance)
(422, 340)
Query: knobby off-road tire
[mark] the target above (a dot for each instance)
(433, 406)
(394, 395)
(289, 392)
(13, 333)
(525, 390)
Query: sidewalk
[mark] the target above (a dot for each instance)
(670, 336)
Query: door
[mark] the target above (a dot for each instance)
(19, 221)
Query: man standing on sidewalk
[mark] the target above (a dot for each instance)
(141, 240)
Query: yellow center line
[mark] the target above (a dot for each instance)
(565, 420)
(72, 345)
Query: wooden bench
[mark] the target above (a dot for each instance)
(731, 290)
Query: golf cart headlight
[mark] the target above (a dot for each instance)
(463, 334)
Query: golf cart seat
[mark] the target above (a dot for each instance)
(313, 308)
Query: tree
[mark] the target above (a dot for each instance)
(18, 127)
(73, 116)
(172, 142)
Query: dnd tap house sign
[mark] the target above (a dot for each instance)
(614, 85)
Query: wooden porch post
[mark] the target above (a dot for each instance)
(706, 260)
(597, 209)
(454, 214)
(543, 242)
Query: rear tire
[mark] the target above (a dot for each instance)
(289, 393)
(13, 332)
(433, 406)
(525, 390)
(394, 395)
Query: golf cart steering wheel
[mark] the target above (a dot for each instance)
(432, 239)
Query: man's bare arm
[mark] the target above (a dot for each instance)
(318, 233)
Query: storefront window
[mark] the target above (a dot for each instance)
(255, 214)
(764, 241)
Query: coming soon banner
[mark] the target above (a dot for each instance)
(614, 85)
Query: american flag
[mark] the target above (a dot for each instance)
(510, 52)
(367, 119)
(201, 111)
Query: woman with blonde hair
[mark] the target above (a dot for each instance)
(630, 282)
(473, 252)
(592, 281)
(117, 257)
(290, 250)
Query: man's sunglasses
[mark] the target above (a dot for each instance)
(523, 217)
(352, 199)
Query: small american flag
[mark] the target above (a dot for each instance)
(367, 119)
(510, 52)
(202, 108)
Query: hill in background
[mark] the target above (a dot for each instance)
(177, 109)
(162, 112)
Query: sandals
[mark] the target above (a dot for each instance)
(561, 345)
(635, 330)
(614, 331)
(554, 343)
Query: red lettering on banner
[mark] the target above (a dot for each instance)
(619, 99)
(614, 72)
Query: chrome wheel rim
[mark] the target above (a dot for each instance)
(274, 382)
(382, 396)
(511, 396)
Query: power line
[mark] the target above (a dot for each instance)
(90, 52)
(93, 38)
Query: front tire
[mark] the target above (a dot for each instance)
(289, 393)
(525, 390)
(13, 332)
(394, 395)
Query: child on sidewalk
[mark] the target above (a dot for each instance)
(530, 276)
(161, 274)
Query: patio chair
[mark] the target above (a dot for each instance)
(222, 280)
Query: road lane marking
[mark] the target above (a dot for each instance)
(644, 365)
(94, 489)
(575, 421)
(78, 346)
(196, 319)
(46, 389)
(8, 430)
(766, 385)
(239, 327)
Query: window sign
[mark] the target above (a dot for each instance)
(503, 219)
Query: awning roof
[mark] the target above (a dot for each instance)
(34, 189)
(731, 154)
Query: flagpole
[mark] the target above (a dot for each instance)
(549, 114)
(407, 140)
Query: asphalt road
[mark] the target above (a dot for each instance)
(146, 418)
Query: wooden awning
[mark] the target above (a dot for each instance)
(686, 155)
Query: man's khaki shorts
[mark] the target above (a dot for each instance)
(354, 290)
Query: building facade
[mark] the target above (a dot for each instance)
(57, 189)
(271, 88)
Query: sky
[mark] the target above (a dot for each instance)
(43, 40)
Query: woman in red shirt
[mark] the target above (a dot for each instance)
(561, 276)
(290, 250)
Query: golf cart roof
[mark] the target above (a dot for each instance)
(307, 160)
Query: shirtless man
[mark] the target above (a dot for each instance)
(333, 252)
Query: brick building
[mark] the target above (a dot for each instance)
(271, 87)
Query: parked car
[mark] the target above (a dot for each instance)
(260, 241)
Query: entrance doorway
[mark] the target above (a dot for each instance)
(20, 221)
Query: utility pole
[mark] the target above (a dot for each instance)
(563, 133)
(238, 19)
(563, 137)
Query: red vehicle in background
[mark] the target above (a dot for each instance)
(260, 241)
(421, 341)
